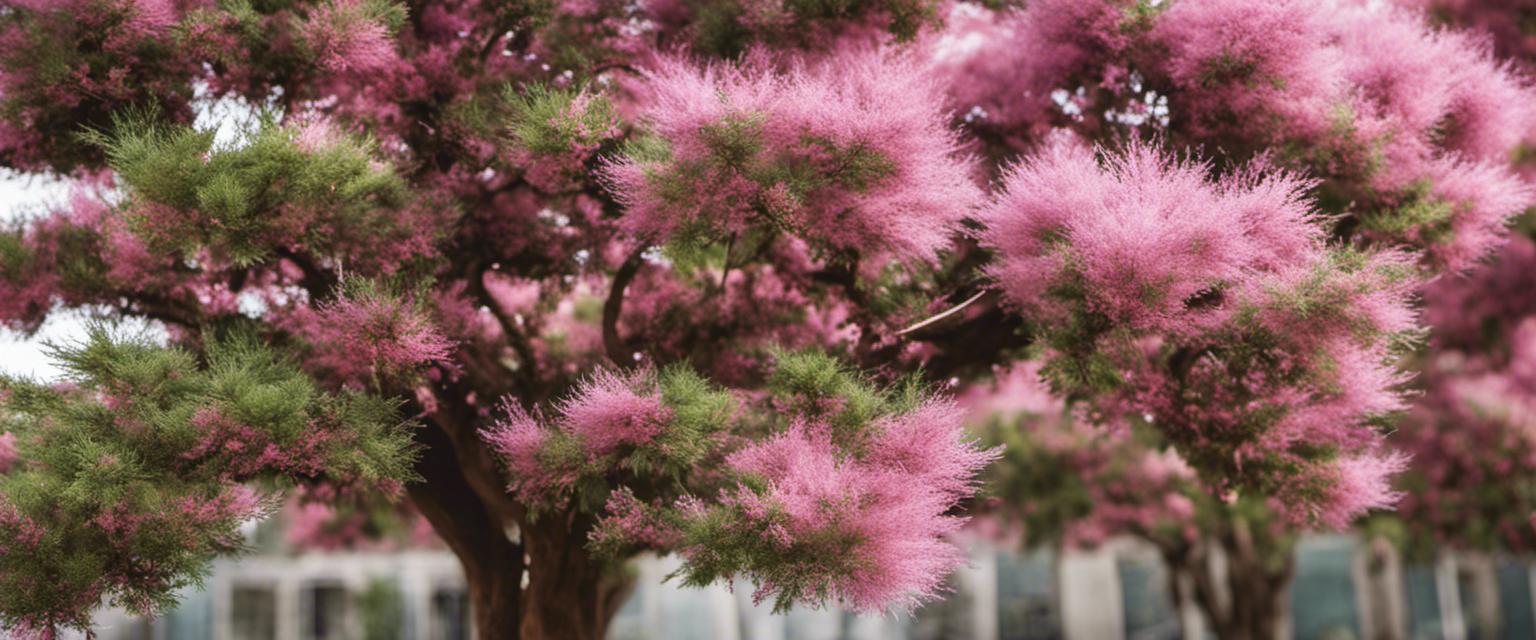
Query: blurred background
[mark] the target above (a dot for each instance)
(1343, 588)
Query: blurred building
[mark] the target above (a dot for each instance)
(1344, 588)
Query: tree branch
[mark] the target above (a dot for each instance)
(614, 307)
(934, 322)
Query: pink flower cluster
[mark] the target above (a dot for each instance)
(867, 529)
(1144, 240)
(18, 533)
(631, 523)
(104, 56)
(1462, 309)
(1226, 321)
(367, 336)
(585, 124)
(238, 451)
(1473, 441)
(194, 523)
(605, 414)
(1063, 478)
(344, 37)
(9, 456)
(853, 156)
(231, 450)
(1411, 130)
(1507, 22)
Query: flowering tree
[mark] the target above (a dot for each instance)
(1471, 433)
(585, 279)
(1062, 481)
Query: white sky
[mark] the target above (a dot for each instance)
(21, 195)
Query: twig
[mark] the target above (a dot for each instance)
(933, 320)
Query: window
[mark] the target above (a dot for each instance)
(253, 613)
(450, 615)
(1423, 601)
(1027, 605)
(325, 612)
(1517, 618)
(1323, 601)
(381, 611)
(1144, 592)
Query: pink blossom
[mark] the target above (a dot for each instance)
(345, 38)
(872, 529)
(606, 412)
(518, 440)
(1141, 238)
(8, 453)
(631, 522)
(854, 156)
(364, 336)
(1361, 483)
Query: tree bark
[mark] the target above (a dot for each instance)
(493, 563)
(1253, 601)
(570, 594)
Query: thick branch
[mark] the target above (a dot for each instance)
(614, 307)
(493, 563)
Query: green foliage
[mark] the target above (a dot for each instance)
(136, 471)
(382, 610)
(1329, 291)
(814, 384)
(697, 413)
(93, 57)
(234, 198)
(556, 121)
(1418, 212)
(700, 412)
(1140, 15)
(784, 176)
(720, 549)
(1037, 484)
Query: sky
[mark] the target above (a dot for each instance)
(23, 195)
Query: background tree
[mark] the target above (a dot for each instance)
(586, 279)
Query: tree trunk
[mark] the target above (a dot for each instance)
(493, 563)
(570, 594)
(1252, 602)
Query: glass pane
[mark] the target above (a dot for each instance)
(1466, 591)
(948, 618)
(190, 620)
(253, 613)
(450, 615)
(326, 612)
(1149, 613)
(1423, 601)
(1026, 596)
(1323, 602)
(1515, 609)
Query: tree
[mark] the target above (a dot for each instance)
(1470, 486)
(585, 279)
(1064, 482)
